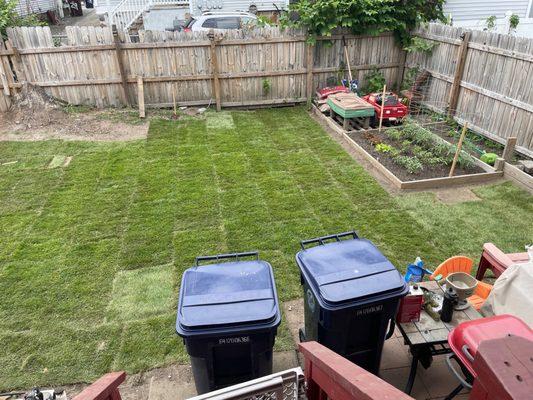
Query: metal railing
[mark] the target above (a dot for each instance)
(125, 13)
(285, 385)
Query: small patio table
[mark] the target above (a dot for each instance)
(427, 337)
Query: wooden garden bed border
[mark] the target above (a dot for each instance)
(518, 176)
(432, 183)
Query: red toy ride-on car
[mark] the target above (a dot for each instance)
(394, 111)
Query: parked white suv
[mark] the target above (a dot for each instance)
(219, 20)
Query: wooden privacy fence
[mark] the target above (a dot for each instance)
(260, 67)
(483, 78)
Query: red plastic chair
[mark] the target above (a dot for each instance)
(497, 261)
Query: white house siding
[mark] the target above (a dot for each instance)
(473, 14)
(482, 9)
(25, 7)
(199, 6)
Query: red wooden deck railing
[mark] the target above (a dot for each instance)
(330, 376)
(105, 388)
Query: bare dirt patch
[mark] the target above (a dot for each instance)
(35, 116)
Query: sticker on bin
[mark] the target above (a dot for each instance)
(234, 340)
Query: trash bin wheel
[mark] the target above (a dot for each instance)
(301, 335)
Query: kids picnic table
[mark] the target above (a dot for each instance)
(427, 337)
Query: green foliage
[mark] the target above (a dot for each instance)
(418, 139)
(383, 148)
(409, 78)
(427, 157)
(267, 86)
(490, 22)
(374, 81)
(9, 17)
(362, 16)
(489, 158)
(514, 20)
(263, 21)
(394, 134)
(420, 45)
(411, 164)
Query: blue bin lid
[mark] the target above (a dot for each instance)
(350, 271)
(225, 296)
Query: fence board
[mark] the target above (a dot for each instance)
(496, 89)
(271, 66)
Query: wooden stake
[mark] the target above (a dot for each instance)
(140, 96)
(382, 107)
(458, 151)
(347, 60)
(458, 75)
(174, 101)
(214, 67)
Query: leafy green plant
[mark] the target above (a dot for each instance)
(514, 20)
(420, 45)
(411, 164)
(414, 134)
(374, 81)
(263, 21)
(267, 86)
(427, 157)
(394, 134)
(9, 17)
(489, 158)
(490, 22)
(384, 148)
(369, 17)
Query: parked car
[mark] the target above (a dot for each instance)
(219, 20)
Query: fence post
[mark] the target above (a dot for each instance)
(458, 75)
(120, 61)
(401, 69)
(214, 68)
(309, 67)
(508, 150)
(140, 97)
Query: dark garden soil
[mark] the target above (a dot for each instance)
(365, 141)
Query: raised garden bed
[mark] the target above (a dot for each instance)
(412, 157)
(409, 161)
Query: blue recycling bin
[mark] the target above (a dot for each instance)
(228, 314)
(351, 296)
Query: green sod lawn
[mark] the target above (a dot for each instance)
(91, 254)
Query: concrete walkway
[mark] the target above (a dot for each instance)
(177, 383)
(89, 18)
